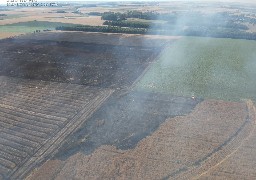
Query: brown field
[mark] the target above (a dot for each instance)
(51, 15)
(7, 35)
(90, 20)
(182, 147)
(239, 164)
(47, 14)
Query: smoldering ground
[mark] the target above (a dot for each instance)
(127, 116)
(123, 121)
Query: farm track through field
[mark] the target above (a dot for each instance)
(36, 116)
(221, 153)
(238, 161)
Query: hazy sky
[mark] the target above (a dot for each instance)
(243, 1)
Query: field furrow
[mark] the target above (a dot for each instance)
(37, 116)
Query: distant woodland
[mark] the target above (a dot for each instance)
(221, 25)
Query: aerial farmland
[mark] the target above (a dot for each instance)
(128, 90)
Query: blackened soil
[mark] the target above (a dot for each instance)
(75, 62)
(124, 121)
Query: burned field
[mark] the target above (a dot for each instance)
(124, 120)
(85, 109)
(75, 62)
(50, 88)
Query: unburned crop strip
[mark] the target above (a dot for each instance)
(48, 90)
(13, 151)
(23, 135)
(31, 112)
(26, 125)
(10, 157)
(17, 120)
(30, 107)
(23, 129)
(18, 139)
(4, 169)
(19, 97)
(44, 95)
(7, 164)
(39, 99)
(30, 121)
(37, 118)
(16, 145)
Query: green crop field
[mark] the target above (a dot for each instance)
(21, 29)
(205, 67)
(31, 26)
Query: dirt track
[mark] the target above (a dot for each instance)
(240, 163)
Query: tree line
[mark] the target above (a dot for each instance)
(112, 16)
(206, 32)
(133, 24)
(107, 29)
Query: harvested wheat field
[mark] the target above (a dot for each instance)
(8, 34)
(49, 14)
(239, 164)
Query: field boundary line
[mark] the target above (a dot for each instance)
(156, 59)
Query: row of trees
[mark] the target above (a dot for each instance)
(218, 19)
(219, 33)
(111, 16)
(172, 17)
(138, 24)
(206, 32)
(221, 20)
(109, 29)
(133, 24)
